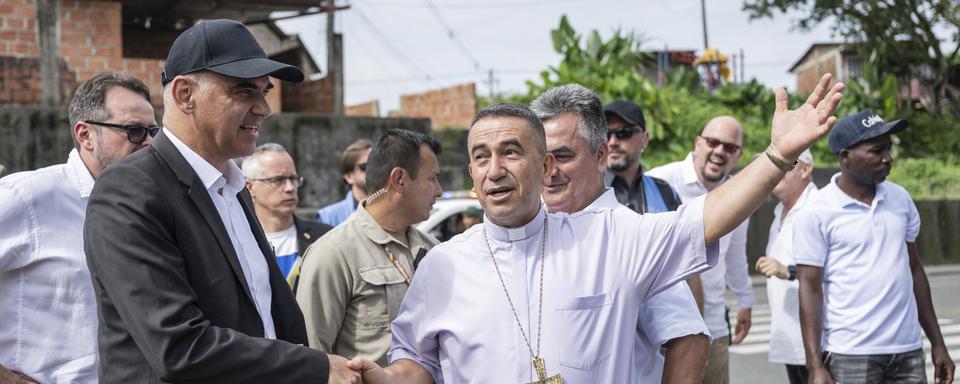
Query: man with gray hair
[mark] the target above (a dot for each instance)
(273, 184)
(576, 128)
(49, 311)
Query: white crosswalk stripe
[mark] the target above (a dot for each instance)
(758, 340)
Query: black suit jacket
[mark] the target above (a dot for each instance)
(172, 300)
(308, 232)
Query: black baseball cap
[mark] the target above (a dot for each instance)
(225, 47)
(628, 112)
(861, 127)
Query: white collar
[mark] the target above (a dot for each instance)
(209, 175)
(522, 232)
(81, 174)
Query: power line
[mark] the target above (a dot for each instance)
(463, 48)
(386, 43)
(474, 5)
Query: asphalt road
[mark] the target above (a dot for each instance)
(748, 361)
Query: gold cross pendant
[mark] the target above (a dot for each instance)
(540, 368)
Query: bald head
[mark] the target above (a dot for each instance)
(726, 128)
(717, 150)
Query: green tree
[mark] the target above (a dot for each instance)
(901, 36)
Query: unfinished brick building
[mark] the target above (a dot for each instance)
(134, 36)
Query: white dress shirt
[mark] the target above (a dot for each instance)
(48, 311)
(731, 270)
(600, 265)
(223, 190)
(668, 315)
(868, 303)
(786, 343)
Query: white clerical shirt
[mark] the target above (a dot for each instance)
(668, 315)
(600, 265)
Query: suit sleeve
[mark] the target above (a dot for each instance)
(137, 266)
(326, 287)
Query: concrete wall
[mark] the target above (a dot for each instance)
(33, 137)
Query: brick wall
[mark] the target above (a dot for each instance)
(370, 108)
(310, 95)
(446, 107)
(20, 80)
(90, 42)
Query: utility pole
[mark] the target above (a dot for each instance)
(490, 83)
(334, 59)
(48, 32)
(703, 13)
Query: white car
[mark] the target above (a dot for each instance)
(442, 222)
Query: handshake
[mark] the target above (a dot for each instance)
(361, 370)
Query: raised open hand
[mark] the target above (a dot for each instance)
(796, 130)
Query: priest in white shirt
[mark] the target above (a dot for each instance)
(672, 339)
(555, 297)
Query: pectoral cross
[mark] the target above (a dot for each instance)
(541, 370)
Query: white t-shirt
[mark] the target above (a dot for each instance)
(868, 302)
(284, 245)
(786, 342)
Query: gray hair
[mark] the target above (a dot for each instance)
(251, 164)
(519, 111)
(575, 98)
(89, 102)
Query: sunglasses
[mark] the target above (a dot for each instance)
(624, 133)
(362, 167)
(712, 143)
(279, 181)
(136, 134)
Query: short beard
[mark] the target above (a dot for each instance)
(622, 165)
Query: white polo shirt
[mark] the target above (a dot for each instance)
(868, 302)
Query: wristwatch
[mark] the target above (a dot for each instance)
(791, 272)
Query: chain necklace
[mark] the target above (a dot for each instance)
(537, 361)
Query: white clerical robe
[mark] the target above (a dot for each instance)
(601, 263)
(668, 315)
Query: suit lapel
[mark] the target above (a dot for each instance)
(201, 199)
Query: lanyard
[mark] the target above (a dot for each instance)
(396, 263)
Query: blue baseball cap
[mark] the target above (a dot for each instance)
(861, 127)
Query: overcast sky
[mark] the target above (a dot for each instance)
(396, 47)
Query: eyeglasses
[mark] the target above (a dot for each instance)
(279, 181)
(136, 134)
(362, 167)
(713, 143)
(623, 133)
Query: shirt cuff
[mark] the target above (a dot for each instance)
(745, 301)
(398, 353)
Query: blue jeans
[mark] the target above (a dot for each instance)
(907, 367)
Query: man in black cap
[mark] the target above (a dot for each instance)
(187, 289)
(864, 295)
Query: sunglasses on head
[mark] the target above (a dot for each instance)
(713, 143)
(136, 134)
(623, 133)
